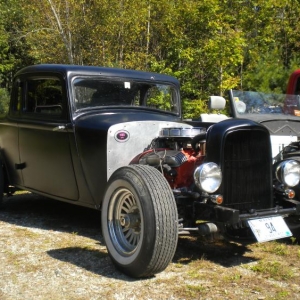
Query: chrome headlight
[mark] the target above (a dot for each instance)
(288, 172)
(208, 177)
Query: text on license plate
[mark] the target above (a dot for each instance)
(271, 228)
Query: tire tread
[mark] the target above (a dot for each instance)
(165, 206)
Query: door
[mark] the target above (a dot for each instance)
(44, 138)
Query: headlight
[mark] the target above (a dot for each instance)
(288, 172)
(208, 177)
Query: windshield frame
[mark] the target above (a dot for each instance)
(128, 84)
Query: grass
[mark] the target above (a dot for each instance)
(274, 248)
(71, 256)
(273, 269)
(195, 290)
(257, 270)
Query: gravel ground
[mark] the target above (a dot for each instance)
(53, 250)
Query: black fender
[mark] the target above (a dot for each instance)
(6, 182)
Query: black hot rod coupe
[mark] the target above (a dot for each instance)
(114, 140)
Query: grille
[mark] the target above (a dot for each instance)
(246, 165)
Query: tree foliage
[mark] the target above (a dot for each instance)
(14, 49)
(209, 45)
(4, 101)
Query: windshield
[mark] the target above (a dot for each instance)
(279, 113)
(247, 104)
(96, 92)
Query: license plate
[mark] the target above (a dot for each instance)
(271, 228)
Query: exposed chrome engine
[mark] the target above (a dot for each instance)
(176, 153)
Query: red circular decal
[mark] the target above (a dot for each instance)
(122, 136)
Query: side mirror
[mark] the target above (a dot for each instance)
(216, 102)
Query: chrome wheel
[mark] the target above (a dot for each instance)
(139, 220)
(125, 222)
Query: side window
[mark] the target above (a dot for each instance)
(16, 102)
(43, 97)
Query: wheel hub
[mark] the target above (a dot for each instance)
(130, 220)
(126, 221)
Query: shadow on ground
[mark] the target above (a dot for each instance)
(33, 211)
(30, 210)
(94, 261)
(222, 252)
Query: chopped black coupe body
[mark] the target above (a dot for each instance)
(114, 140)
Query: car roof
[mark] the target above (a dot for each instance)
(71, 70)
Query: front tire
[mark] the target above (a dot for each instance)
(139, 221)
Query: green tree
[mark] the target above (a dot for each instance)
(13, 46)
(209, 45)
(4, 101)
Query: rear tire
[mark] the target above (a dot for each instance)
(139, 221)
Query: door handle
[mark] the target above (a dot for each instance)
(59, 128)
